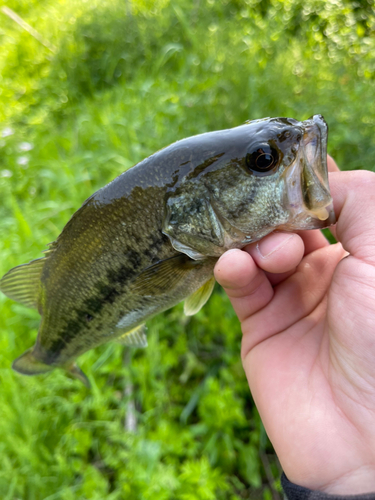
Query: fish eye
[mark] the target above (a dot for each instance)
(262, 159)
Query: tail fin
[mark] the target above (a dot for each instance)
(29, 364)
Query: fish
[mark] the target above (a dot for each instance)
(150, 238)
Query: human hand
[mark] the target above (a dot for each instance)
(307, 310)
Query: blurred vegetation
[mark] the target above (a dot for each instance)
(116, 81)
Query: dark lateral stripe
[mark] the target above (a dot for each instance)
(105, 292)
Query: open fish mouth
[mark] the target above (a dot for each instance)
(307, 187)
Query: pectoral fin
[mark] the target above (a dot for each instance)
(164, 276)
(134, 338)
(198, 299)
(22, 282)
(29, 364)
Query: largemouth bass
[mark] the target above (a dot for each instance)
(151, 237)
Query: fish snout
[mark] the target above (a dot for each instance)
(308, 192)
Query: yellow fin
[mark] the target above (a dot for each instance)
(164, 275)
(22, 283)
(29, 364)
(134, 338)
(197, 300)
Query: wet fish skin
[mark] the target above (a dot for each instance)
(151, 237)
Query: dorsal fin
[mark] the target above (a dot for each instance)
(22, 283)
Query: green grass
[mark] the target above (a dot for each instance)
(124, 80)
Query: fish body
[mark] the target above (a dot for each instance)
(151, 237)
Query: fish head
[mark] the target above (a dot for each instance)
(273, 176)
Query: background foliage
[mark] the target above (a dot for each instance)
(117, 81)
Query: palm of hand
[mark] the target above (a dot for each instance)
(309, 345)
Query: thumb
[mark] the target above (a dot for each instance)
(354, 201)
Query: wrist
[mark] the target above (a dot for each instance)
(355, 482)
(296, 492)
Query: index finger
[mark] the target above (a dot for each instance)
(332, 165)
(241, 272)
(354, 201)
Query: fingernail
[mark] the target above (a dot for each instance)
(273, 243)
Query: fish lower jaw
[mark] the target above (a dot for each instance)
(322, 213)
(318, 218)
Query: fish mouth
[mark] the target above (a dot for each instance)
(307, 188)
